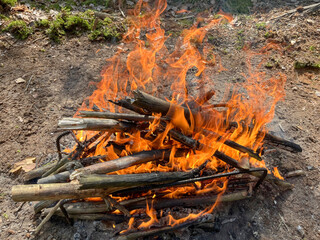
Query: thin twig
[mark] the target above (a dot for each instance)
(47, 218)
(28, 83)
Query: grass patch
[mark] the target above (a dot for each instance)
(18, 29)
(240, 40)
(261, 26)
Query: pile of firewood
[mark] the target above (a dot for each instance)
(64, 187)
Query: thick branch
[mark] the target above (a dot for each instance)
(55, 191)
(123, 162)
(94, 124)
(131, 180)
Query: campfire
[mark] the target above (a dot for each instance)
(151, 139)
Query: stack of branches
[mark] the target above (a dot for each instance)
(64, 186)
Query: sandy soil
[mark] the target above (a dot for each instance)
(57, 78)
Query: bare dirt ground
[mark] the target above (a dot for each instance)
(57, 81)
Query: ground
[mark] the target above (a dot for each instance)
(57, 79)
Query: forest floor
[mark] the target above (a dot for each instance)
(55, 81)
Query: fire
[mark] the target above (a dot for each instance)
(276, 173)
(149, 67)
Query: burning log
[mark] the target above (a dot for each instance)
(157, 231)
(118, 116)
(123, 162)
(109, 166)
(157, 105)
(77, 209)
(133, 117)
(132, 180)
(90, 185)
(94, 124)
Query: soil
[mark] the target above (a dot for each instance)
(57, 80)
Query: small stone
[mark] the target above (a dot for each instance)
(300, 231)
(310, 21)
(130, 3)
(28, 235)
(11, 231)
(294, 89)
(20, 80)
(318, 93)
(213, 2)
(309, 168)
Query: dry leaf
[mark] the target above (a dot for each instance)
(25, 165)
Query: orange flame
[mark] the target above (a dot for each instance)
(276, 173)
(150, 66)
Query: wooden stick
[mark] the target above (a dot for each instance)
(55, 191)
(82, 208)
(160, 203)
(47, 218)
(126, 104)
(157, 105)
(157, 231)
(194, 144)
(93, 124)
(134, 117)
(123, 162)
(118, 116)
(117, 205)
(274, 140)
(38, 172)
(57, 178)
(131, 180)
(154, 104)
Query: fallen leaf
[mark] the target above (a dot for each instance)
(20, 80)
(25, 165)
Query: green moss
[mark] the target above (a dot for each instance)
(8, 2)
(56, 6)
(56, 29)
(300, 65)
(261, 26)
(4, 17)
(18, 29)
(76, 24)
(44, 23)
(268, 34)
(186, 23)
(107, 29)
(66, 22)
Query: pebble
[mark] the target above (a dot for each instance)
(310, 21)
(300, 231)
(11, 231)
(309, 168)
(318, 93)
(20, 80)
